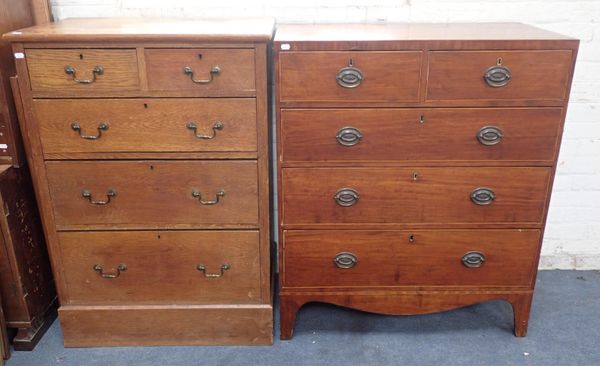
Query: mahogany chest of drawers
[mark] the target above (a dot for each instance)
(148, 146)
(416, 163)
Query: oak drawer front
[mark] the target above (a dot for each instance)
(77, 71)
(349, 76)
(414, 195)
(409, 258)
(161, 267)
(154, 193)
(419, 134)
(497, 75)
(203, 72)
(146, 125)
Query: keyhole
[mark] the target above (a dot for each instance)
(151, 167)
(146, 105)
(81, 56)
(200, 56)
(499, 61)
(158, 236)
(351, 63)
(411, 238)
(415, 176)
(422, 119)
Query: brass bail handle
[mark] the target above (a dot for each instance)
(214, 71)
(349, 77)
(224, 267)
(217, 126)
(76, 126)
(122, 267)
(87, 194)
(96, 71)
(197, 194)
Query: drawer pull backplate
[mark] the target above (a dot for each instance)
(198, 194)
(345, 260)
(122, 267)
(215, 70)
(87, 194)
(497, 76)
(348, 136)
(346, 197)
(103, 126)
(483, 196)
(217, 126)
(489, 135)
(473, 259)
(349, 77)
(224, 267)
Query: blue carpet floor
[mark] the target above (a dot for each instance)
(564, 329)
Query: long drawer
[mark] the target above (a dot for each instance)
(457, 134)
(347, 77)
(161, 267)
(352, 258)
(414, 195)
(498, 75)
(154, 193)
(146, 125)
(83, 71)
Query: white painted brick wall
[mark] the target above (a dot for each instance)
(573, 233)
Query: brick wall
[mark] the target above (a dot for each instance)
(573, 234)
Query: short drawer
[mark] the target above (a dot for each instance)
(154, 193)
(202, 72)
(77, 71)
(497, 75)
(457, 134)
(347, 77)
(146, 125)
(409, 258)
(414, 195)
(160, 267)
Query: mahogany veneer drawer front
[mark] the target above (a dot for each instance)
(220, 72)
(447, 196)
(203, 267)
(499, 74)
(148, 141)
(356, 258)
(146, 125)
(333, 76)
(140, 193)
(416, 163)
(82, 70)
(457, 134)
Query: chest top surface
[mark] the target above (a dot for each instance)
(148, 29)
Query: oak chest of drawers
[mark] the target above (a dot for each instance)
(416, 163)
(148, 145)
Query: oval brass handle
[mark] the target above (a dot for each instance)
(345, 260)
(215, 70)
(70, 70)
(103, 126)
(88, 195)
(346, 197)
(202, 268)
(122, 267)
(349, 77)
(473, 259)
(489, 135)
(348, 136)
(197, 194)
(497, 76)
(483, 196)
(217, 126)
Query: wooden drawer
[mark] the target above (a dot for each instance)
(90, 70)
(313, 76)
(217, 72)
(420, 134)
(534, 75)
(413, 195)
(146, 125)
(161, 267)
(153, 193)
(409, 258)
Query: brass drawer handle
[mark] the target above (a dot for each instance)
(348, 136)
(70, 70)
(215, 70)
(122, 267)
(346, 197)
(345, 260)
(473, 259)
(489, 135)
(202, 268)
(497, 76)
(483, 196)
(198, 194)
(217, 126)
(88, 195)
(103, 126)
(349, 77)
